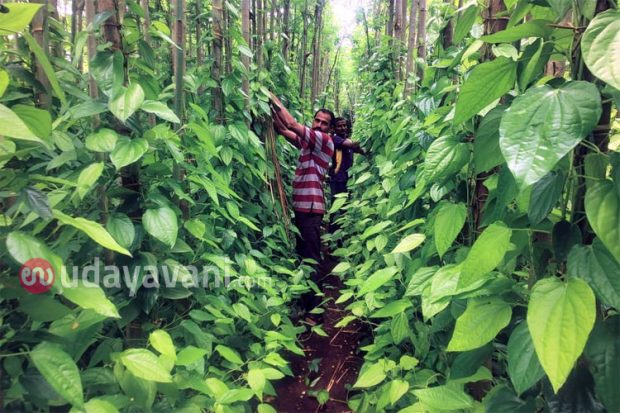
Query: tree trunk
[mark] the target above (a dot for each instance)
(227, 41)
(494, 22)
(492, 25)
(41, 35)
(285, 29)
(447, 32)
(403, 14)
(111, 27)
(178, 30)
(216, 71)
(260, 32)
(389, 28)
(366, 30)
(272, 21)
(316, 51)
(398, 28)
(199, 48)
(376, 17)
(245, 30)
(304, 48)
(421, 39)
(411, 47)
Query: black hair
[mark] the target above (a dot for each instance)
(340, 119)
(332, 122)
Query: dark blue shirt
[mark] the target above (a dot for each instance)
(347, 161)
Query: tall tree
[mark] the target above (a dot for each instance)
(411, 46)
(421, 38)
(199, 46)
(398, 29)
(447, 32)
(316, 50)
(40, 33)
(217, 14)
(403, 14)
(389, 28)
(245, 31)
(304, 48)
(179, 55)
(286, 29)
(260, 32)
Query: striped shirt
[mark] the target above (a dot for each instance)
(317, 149)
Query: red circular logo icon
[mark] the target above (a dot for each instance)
(37, 275)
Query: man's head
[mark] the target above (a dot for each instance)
(323, 120)
(342, 127)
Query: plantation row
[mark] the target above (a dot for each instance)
(148, 255)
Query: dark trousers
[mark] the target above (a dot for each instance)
(309, 238)
(309, 246)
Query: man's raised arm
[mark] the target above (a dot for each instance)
(287, 133)
(287, 120)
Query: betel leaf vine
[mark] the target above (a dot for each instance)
(476, 256)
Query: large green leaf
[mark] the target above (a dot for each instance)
(544, 124)
(465, 23)
(445, 157)
(103, 140)
(121, 228)
(127, 101)
(409, 243)
(38, 120)
(486, 83)
(89, 296)
(24, 247)
(229, 354)
(449, 397)
(482, 320)
(545, 195)
(603, 352)
(160, 110)
(602, 204)
(532, 61)
(560, 317)
(523, 365)
(94, 230)
(599, 268)
(600, 46)
(162, 342)
(162, 224)
(60, 371)
(257, 381)
(12, 126)
(145, 365)
(88, 177)
(487, 253)
(49, 71)
(371, 374)
(448, 224)
(18, 17)
(533, 28)
(378, 279)
(487, 154)
(560, 7)
(128, 151)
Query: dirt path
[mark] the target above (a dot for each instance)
(338, 363)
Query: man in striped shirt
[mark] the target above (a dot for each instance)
(317, 149)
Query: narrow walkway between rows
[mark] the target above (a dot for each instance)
(331, 363)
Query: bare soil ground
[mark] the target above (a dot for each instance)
(339, 362)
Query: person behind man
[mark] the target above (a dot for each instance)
(343, 156)
(317, 149)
